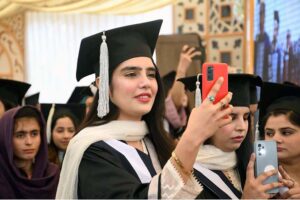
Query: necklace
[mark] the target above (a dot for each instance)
(233, 176)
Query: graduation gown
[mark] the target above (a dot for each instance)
(105, 172)
(211, 189)
(104, 167)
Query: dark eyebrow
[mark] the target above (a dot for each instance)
(20, 132)
(284, 128)
(131, 68)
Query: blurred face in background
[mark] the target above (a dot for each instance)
(63, 132)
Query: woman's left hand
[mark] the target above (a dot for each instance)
(294, 187)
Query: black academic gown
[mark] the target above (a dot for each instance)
(106, 173)
(211, 190)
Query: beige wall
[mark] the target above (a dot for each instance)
(12, 47)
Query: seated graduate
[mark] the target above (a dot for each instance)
(83, 95)
(279, 118)
(221, 163)
(25, 171)
(123, 151)
(11, 94)
(63, 121)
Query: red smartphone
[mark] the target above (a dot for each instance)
(210, 74)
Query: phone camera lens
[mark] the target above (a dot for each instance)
(259, 154)
(259, 145)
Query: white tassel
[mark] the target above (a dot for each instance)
(198, 99)
(93, 89)
(103, 102)
(49, 121)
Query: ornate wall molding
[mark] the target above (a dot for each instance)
(221, 24)
(12, 48)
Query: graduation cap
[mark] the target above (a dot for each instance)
(32, 99)
(101, 53)
(168, 80)
(12, 92)
(52, 111)
(276, 96)
(79, 94)
(256, 82)
(238, 84)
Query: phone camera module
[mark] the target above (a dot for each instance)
(210, 73)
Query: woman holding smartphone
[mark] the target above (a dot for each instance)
(280, 121)
(221, 163)
(124, 152)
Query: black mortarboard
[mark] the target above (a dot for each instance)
(78, 110)
(239, 85)
(79, 94)
(168, 80)
(101, 53)
(275, 96)
(12, 92)
(123, 43)
(256, 82)
(32, 99)
(51, 111)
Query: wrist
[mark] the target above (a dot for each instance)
(180, 73)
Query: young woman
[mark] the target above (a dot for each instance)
(25, 170)
(221, 163)
(280, 121)
(126, 152)
(63, 125)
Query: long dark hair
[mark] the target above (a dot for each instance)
(243, 154)
(153, 119)
(52, 148)
(292, 116)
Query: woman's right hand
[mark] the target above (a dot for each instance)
(206, 119)
(254, 187)
(203, 122)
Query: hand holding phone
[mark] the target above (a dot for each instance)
(266, 160)
(210, 74)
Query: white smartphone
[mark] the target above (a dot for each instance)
(266, 160)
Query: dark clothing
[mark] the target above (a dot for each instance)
(261, 56)
(106, 173)
(212, 191)
(13, 183)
